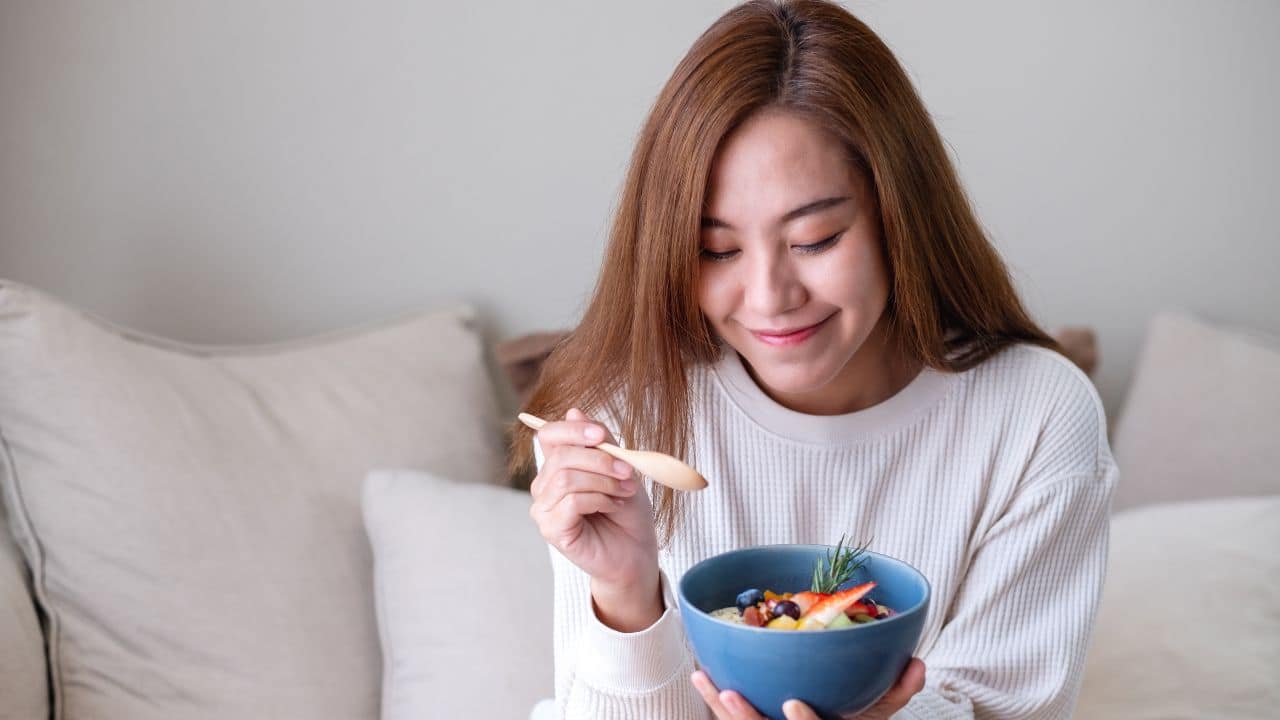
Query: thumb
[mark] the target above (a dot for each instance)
(909, 683)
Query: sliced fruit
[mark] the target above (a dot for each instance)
(826, 610)
(782, 622)
(808, 623)
(808, 599)
(841, 620)
(751, 616)
(860, 607)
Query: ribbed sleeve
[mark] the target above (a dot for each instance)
(995, 483)
(1013, 646)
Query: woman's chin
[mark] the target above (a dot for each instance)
(788, 382)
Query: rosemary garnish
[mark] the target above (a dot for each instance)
(833, 571)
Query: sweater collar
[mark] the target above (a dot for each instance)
(925, 391)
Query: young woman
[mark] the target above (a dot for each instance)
(798, 299)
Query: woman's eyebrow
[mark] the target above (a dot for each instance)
(806, 209)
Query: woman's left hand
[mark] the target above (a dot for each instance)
(729, 705)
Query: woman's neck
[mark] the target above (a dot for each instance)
(875, 373)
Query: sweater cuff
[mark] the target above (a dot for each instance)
(633, 663)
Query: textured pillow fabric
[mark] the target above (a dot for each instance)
(464, 592)
(1189, 625)
(192, 515)
(1202, 416)
(24, 692)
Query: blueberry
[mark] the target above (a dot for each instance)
(747, 598)
(786, 607)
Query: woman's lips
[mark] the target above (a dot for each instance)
(792, 336)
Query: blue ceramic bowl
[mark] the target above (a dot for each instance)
(834, 671)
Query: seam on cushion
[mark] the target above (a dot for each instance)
(22, 520)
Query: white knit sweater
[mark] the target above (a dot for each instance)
(994, 482)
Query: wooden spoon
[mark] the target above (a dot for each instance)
(660, 467)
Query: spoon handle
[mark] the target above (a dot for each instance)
(659, 467)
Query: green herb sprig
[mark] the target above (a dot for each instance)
(834, 570)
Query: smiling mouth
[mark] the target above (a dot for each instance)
(789, 336)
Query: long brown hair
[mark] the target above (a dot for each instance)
(951, 301)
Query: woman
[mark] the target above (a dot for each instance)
(798, 299)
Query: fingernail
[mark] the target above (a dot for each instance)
(593, 433)
(621, 468)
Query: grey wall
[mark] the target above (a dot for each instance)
(244, 171)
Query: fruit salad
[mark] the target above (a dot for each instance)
(823, 606)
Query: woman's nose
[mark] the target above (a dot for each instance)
(772, 287)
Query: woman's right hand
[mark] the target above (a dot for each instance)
(593, 510)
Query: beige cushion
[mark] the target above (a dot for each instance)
(1189, 625)
(1202, 416)
(193, 514)
(464, 593)
(24, 692)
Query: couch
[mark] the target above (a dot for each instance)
(323, 528)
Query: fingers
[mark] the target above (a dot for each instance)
(796, 710)
(574, 506)
(729, 705)
(703, 685)
(569, 444)
(578, 469)
(575, 429)
(910, 682)
(726, 704)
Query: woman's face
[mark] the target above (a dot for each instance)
(792, 273)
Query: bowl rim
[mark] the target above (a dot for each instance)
(897, 614)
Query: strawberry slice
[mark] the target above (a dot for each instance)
(826, 610)
(808, 599)
(859, 608)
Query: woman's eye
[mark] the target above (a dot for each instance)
(818, 246)
(718, 254)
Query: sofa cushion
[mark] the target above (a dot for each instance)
(24, 692)
(1189, 625)
(192, 514)
(1201, 417)
(464, 592)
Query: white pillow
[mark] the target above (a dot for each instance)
(192, 516)
(1202, 416)
(1189, 625)
(463, 587)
